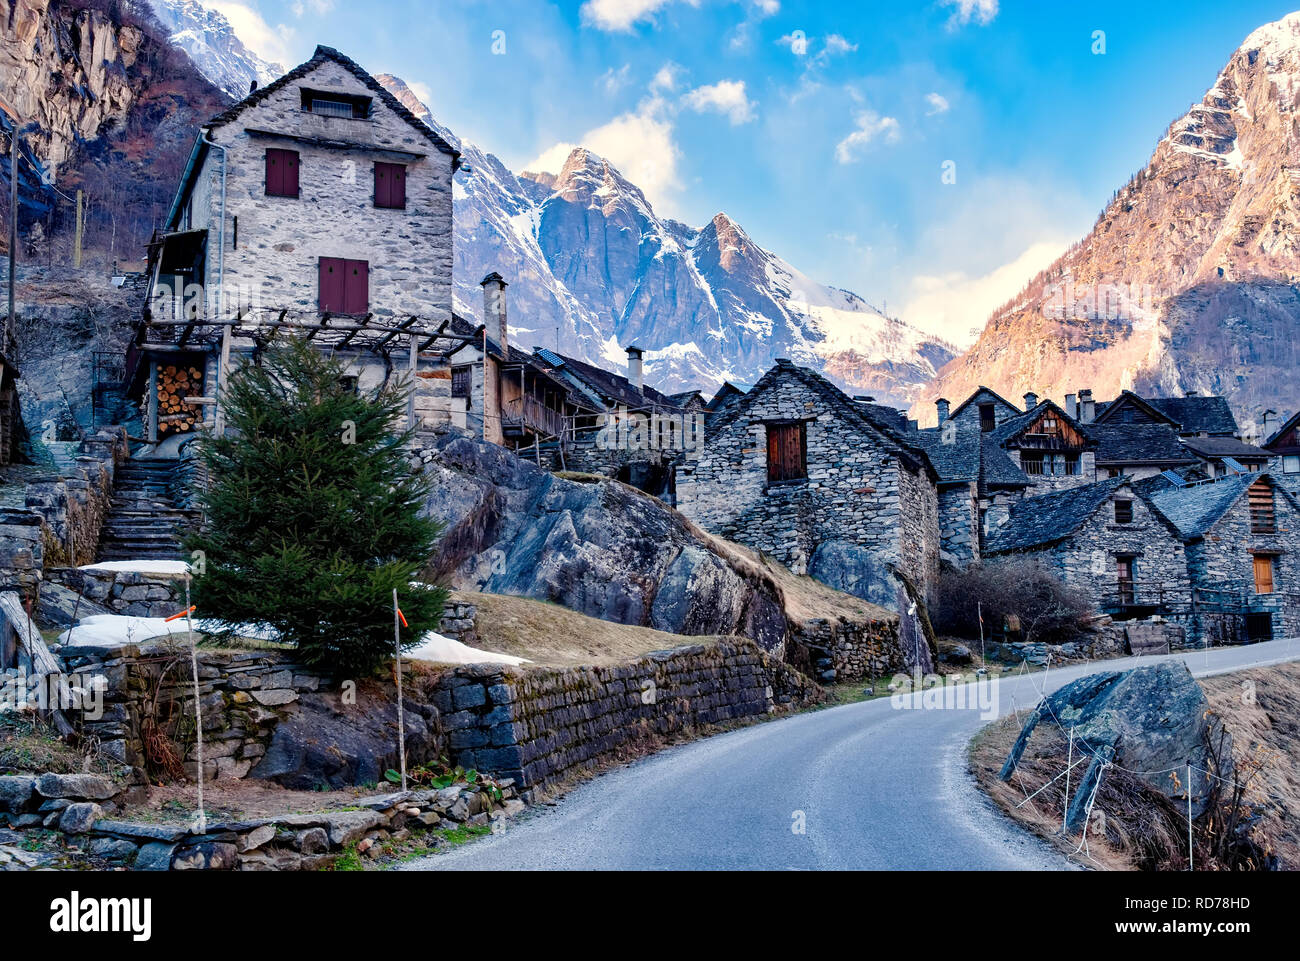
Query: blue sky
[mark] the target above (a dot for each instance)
(822, 128)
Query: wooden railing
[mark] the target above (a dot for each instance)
(530, 413)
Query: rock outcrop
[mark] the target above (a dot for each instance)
(1151, 721)
(590, 544)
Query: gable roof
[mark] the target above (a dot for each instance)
(983, 390)
(1284, 429)
(1107, 410)
(1051, 518)
(904, 444)
(1209, 415)
(1139, 444)
(322, 55)
(1224, 447)
(1012, 427)
(604, 386)
(1194, 510)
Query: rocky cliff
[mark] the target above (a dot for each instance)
(209, 39)
(1188, 279)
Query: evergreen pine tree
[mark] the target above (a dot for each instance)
(312, 513)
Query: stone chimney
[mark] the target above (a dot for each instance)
(634, 371)
(494, 309)
(943, 407)
(1087, 407)
(1031, 400)
(1071, 407)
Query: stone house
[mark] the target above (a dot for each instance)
(1241, 536)
(982, 411)
(1103, 539)
(1284, 445)
(1049, 446)
(797, 469)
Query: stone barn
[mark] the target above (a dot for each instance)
(799, 470)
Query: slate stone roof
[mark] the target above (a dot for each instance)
(611, 388)
(1225, 447)
(320, 56)
(1009, 428)
(1194, 510)
(973, 456)
(997, 469)
(1042, 521)
(1210, 415)
(982, 390)
(903, 443)
(1138, 443)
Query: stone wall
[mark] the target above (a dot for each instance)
(264, 716)
(62, 514)
(132, 593)
(855, 650)
(959, 521)
(459, 622)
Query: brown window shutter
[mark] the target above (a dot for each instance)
(290, 173)
(356, 287)
(382, 182)
(1263, 575)
(331, 285)
(390, 185)
(786, 452)
(281, 173)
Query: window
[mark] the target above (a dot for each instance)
(328, 103)
(281, 173)
(1126, 569)
(1263, 517)
(1264, 567)
(1114, 472)
(460, 381)
(787, 452)
(344, 286)
(1291, 464)
(1036, 464)
(1127, 415)
(1123, 512)
(390, 186)
(351, 383)
(988, 418)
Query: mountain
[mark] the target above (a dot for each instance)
(207, 36)
(593, 269)
(115, 107)
(1188, 280)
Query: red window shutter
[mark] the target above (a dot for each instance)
(290, 173)
(281, 173)
(356, 289)
(390, 185)
(331, 285)
(398, 186)
(274, 174)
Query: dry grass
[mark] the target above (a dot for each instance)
(1267, 729)
(1141, 829)
(240, 800)
(554, 636)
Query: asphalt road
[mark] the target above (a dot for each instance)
(878, 787)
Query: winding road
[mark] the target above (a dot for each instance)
(878, 787)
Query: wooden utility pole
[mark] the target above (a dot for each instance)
(81, 227)
(11, 325)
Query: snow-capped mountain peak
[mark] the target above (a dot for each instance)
(207, 36)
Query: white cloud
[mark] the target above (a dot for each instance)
(837, 45)
(269, 42)
(667, 78)
(639, 144)
(870, 126)
(724, 97)
(758, 10)
(966, 11)
(955, 304)
(938, 104)
(615, 80)
(423, 91)
(318, 7)
(621, 15)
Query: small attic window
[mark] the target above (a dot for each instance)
(329, 103)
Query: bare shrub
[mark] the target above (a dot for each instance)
(1017, 589)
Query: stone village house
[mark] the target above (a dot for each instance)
(798, 470)
(1284, 445)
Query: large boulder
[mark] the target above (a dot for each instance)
(593, 545)
(855, 570)
(1151, 721)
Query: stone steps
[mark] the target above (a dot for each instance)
(144, 522)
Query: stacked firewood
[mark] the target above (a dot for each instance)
(175, 384)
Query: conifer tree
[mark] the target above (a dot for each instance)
(312, 513)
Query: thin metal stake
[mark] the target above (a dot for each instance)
(401, 716)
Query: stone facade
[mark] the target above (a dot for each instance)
(852, 650)
(959, 523)
(867, 506)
